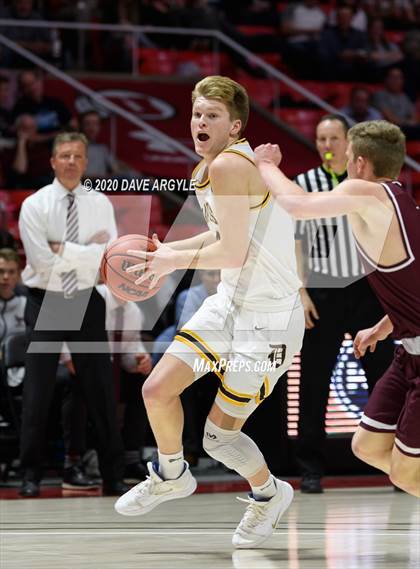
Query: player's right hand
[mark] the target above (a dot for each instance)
(364, 340)
(267, 153)
(311, 313)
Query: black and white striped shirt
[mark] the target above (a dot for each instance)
(329, 243)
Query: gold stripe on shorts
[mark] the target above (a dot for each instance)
(196, 338)
(265, 388)
(232, 396)
(191, 342)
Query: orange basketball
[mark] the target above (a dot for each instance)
(115, 263)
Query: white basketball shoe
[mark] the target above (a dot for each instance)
(261, 518)
(153, 491)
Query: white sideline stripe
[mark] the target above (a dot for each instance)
(377, 424)
(406, 448)
(136, 533)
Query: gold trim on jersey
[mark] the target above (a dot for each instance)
(263, 203)
(230, 150)
(196, 169)
(203, 184)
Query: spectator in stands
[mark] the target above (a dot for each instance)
(359, 19)
(359, 108)
(101, 161)
(395, 104)
(34, 39)
(161, 13)
(131, 365)
(382, 53)
(397, 14)
(342, 49)
(411, 63)
(6, 238)
(333, 283)
(12, 321)
(64, 231)
(301, 25)
(252, 12)
(50, 113)
(5, 110)
(28, 164)
(12, 306)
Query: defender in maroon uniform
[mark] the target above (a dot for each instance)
(386, 224)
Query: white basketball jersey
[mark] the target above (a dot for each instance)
(268, 279)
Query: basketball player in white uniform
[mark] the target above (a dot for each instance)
(248, 332)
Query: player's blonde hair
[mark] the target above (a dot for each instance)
(382, 143)
(229, 92)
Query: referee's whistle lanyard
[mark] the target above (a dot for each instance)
(333, 175)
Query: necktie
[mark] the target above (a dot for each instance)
(116, 356)
(69, 279)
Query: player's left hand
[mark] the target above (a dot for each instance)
(155, 264)
(267, 153)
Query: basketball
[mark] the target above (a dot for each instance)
(117, 260)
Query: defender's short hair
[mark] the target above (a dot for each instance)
(382, 143)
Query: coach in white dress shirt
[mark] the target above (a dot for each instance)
(64, 230)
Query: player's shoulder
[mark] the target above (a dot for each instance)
(358, 187)
(232, 160)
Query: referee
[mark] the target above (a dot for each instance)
(336, 298)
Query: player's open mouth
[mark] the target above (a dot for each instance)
(202, 136)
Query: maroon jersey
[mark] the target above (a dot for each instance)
(398, 287)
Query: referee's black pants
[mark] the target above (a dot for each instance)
(59, 322)
(341, 310)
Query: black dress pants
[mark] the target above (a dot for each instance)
(93, 369)
(135, 423)
(341, 311)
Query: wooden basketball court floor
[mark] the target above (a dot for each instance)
(372, 528)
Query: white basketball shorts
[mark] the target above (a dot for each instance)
(246, 349)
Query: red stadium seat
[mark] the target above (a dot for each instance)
(395, 36)
(262, 91)
(154, 61)
(207, 62)
(303, 120)
(255, 30)
(273, 59)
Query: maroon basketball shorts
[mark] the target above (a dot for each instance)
(394, 406)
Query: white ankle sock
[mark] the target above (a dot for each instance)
(266, 491)
(171, 466)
